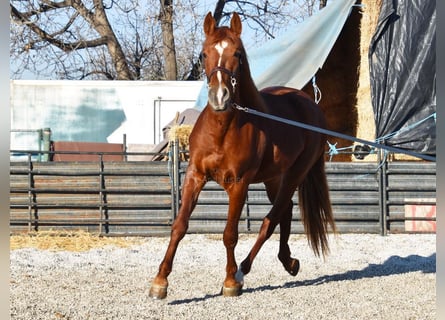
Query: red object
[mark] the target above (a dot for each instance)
(81, 149)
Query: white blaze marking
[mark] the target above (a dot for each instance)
(239, 276)
(220, 48)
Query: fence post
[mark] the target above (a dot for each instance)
(31, 195)
(102, 197)
(383, 194)
(124, 147)
(46, 137)
(174, 144)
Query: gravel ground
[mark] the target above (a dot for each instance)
(365, 277)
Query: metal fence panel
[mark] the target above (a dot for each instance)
(142, 198)
(107, 198)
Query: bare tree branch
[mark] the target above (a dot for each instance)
(123, 39)
(44, 36)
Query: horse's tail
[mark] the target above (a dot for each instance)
(315, 208)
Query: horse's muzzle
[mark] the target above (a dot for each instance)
(219, 98)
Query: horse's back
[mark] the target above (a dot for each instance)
(293, 104)
(281, 90)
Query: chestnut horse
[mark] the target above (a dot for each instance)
(236, 149)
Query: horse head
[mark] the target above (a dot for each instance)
(222, 56)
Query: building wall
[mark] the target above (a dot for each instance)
(97, 111)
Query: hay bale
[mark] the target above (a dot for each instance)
(181, 134)
(366, 123)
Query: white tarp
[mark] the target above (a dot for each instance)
(295, 57)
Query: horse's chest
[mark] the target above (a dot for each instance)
(223, 168)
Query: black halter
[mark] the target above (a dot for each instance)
(230, 73)
(227, 71)
(216, 69)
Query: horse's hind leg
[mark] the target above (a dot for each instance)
(290, 264)
(281, 212)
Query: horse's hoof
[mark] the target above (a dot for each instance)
(294, 267)
(231, 292)
(157, 292)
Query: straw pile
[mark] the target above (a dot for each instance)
(68, 241)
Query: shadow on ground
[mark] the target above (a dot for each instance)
(392, 266)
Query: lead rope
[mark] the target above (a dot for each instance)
(331, 133)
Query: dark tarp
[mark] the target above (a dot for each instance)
(402, 59)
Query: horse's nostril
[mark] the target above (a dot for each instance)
(222, 94)
(226, 93)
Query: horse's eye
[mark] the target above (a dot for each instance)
(239, 56)
(202, 56)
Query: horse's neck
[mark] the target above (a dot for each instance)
(249, 96)
(217, 124)
(221, 121)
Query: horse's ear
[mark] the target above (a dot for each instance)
(235, 24)
(209, 24)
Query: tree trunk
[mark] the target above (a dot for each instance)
(117, 55)
(219, 9)
(196, 71)
(166, 17)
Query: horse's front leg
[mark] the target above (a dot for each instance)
(234, 279)
(193, 184)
